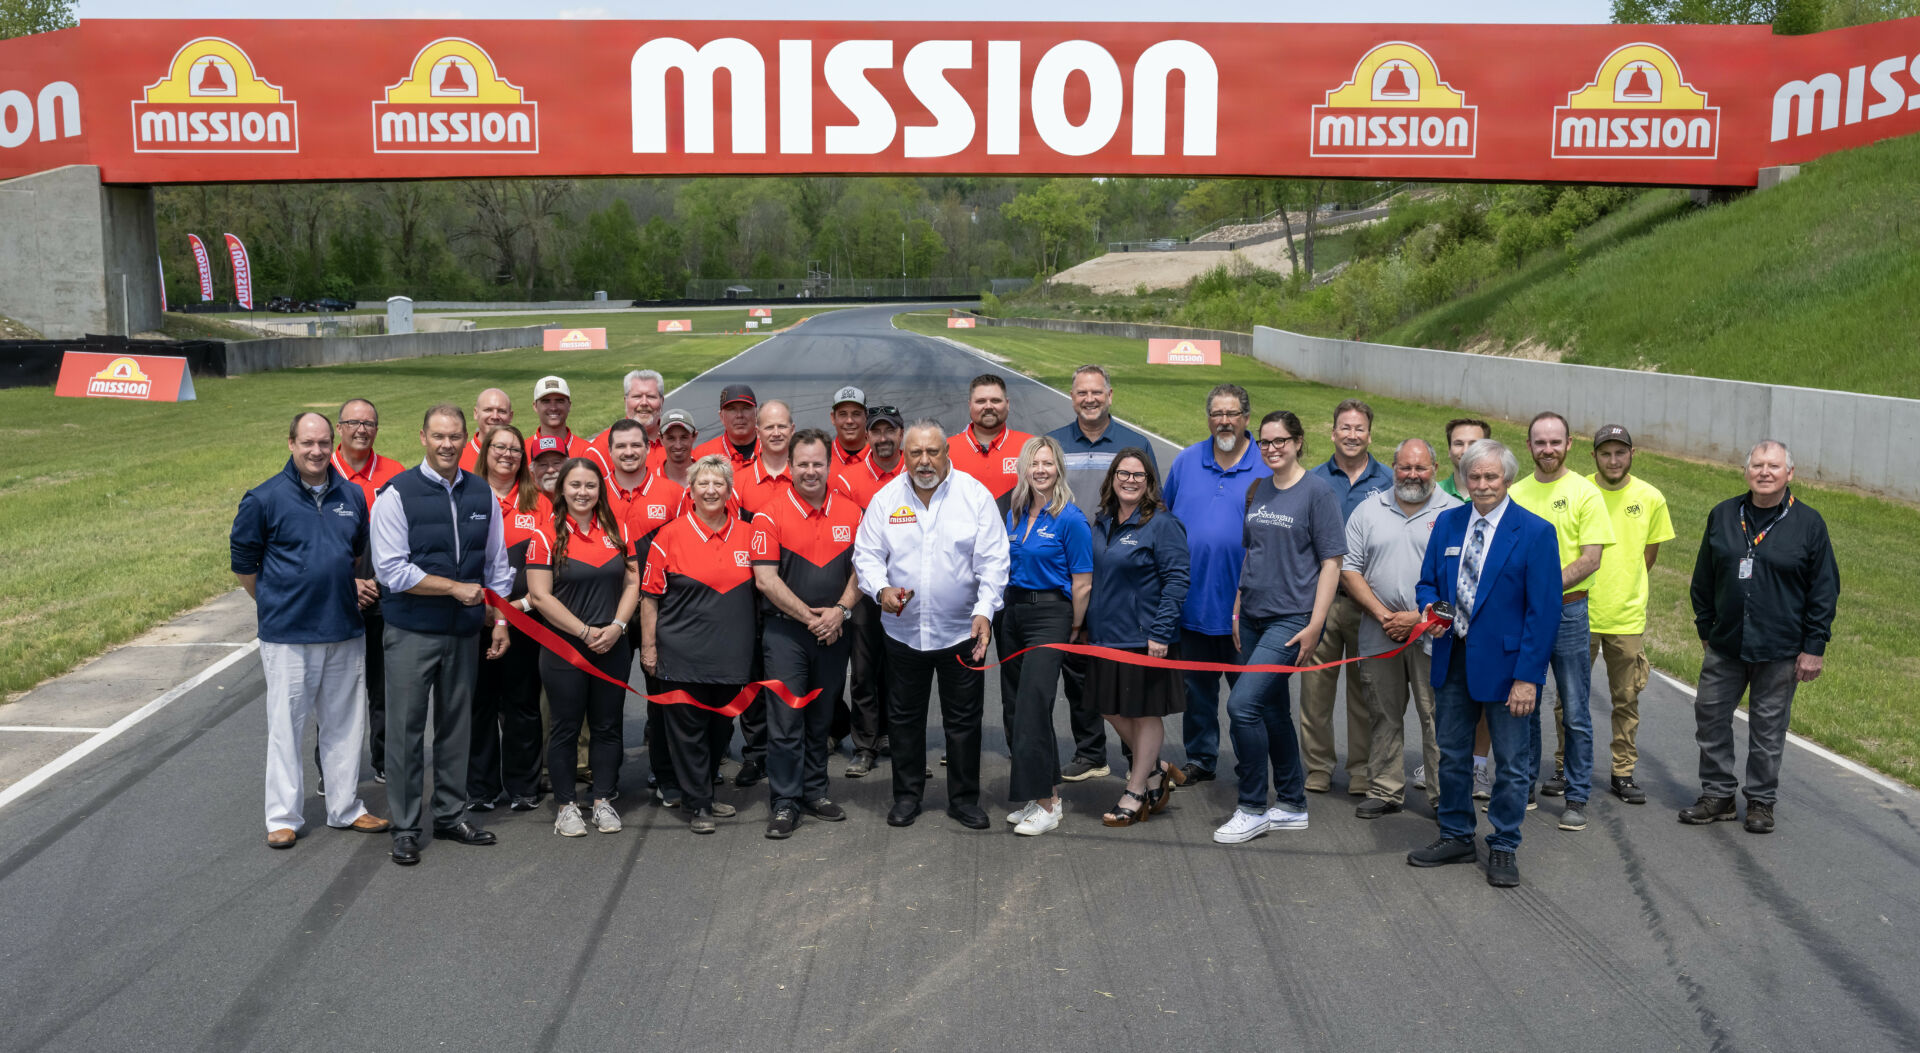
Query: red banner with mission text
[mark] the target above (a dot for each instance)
(140, 378)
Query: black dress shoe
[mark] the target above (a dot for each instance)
(862, 763)
(1196, 773)
(1374, 808)
(824, 808)
(465, 832)
(1502, 871)
(903, 813)
(971, 818)
(1441, 852)
(750, 773)
(406, 850)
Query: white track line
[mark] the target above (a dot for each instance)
(1885, 782)
(68, 759)
(49, 728)
(223, 643)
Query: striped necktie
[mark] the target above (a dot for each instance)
(1470, 577)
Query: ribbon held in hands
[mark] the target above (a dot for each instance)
(553, 642)
(1437, 618)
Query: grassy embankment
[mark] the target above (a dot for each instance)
(117, 512)
(1859, 707)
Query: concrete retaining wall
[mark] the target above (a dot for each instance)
(261, 356)
(1836, 436)
(77, 257)
(500, 305)
(1230, 342)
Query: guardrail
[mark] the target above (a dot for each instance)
(261, 356)
(1230, 342)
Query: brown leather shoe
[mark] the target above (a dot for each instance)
(280, 838)
(370, 823)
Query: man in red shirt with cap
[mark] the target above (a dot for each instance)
(987, 449)
(552, 403)
(849, 415)
(739, 438)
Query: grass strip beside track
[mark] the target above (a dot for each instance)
(116, 513)
(1858, 708)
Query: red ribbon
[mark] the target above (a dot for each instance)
(550, 640)
(1135, 658)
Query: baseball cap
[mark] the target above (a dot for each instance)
(885, 413)
(733, 393)
(551, 386)
(545, 444)
(1612, 433)
(680, 417)
(848, 394)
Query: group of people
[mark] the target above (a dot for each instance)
(814, 584)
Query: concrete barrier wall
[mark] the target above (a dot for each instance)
(261, 356)
(1230, 342)
(1835, 436)
(500, 305)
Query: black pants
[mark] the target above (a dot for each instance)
(864, 717)
(376, 686)
(1027, 688)
(910, 678)
(690, 736)
(505, 755)
(797, 738)
(574, 698)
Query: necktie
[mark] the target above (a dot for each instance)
(1470, 577)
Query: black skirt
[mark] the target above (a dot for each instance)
(1117, 689)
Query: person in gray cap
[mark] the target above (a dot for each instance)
(677, 437)
(1617, 599)
(848, 412)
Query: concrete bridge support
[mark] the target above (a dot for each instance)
(78, 257)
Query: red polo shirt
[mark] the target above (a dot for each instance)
(590, 581)
(844, 458)
(813, 547)
(653, 506)
(724, 446)
(756, 485)
(519, 529)
(703, 583)
(996, 464)
(656, 450)
(372, 476)
(470, 457)
(861, 480)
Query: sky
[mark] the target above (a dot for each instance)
(1537, 11)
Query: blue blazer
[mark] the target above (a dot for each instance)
(1517, 612)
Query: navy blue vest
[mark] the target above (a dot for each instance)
(433, 525)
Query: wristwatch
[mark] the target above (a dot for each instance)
(845, 613)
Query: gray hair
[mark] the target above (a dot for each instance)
(1484, 448)
(659, 381)
(712, 462)
(1238, 392)
(928, 422)
(1092, 367)
(1404, 443)
(1770, 444)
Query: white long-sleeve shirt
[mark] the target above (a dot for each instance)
(950, 551)
(388, 534)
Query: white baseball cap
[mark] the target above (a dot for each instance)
(848, 394)
(551, 386)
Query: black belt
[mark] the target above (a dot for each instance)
(1019, 595)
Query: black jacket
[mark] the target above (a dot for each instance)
(1786, 607)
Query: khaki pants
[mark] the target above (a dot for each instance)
(1339, 638)
(1627, 672)
(1385, 682)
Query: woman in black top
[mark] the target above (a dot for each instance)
(586, 585)
(505, 748)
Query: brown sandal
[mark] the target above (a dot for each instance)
(1170, 777)
(1124, 816)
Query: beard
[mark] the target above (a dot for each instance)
(1226, 442)
(1413, 493)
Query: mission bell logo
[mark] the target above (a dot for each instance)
(1396, 105)
(453, 101)
(903, 514)
(211, 101)
(1637, 107)
(122, 379)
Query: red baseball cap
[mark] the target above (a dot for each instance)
(545, 444)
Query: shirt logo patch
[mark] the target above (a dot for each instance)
(341, 510)
(1633, 511)
(476, 515)
(1128, 539)
(525, 521)
(608, 542)
(903, 514)
(1559, 504)
(1261, 515)
(843, 533)
(1009, 465)
(739, 559)
(759, 544)
(656, 511)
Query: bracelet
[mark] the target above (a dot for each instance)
(621, 624)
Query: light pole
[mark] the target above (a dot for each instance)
(903, 263)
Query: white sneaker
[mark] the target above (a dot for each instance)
(605, 817)
(1019, 815)
(1241, 827)
(1039, 820)
(1420, 777)
(569, 823)
(1279, 817)
(1483, 782)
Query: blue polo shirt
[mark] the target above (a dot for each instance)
(1377, 478)
(1211, 501)
(1048, 555)
(1088, 461)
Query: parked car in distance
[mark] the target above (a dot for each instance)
(329, 304)
(283, 304)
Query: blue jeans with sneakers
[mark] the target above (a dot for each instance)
(1260, 717)
(1572, 668)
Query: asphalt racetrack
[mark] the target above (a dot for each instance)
(141, 911)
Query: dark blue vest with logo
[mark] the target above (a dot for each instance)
(447, 536)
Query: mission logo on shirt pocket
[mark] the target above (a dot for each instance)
(903, 514)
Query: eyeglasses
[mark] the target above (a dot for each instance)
(360, 425)
(1226, 415)
(505, 448)
(1273, 444)
(1130, 477)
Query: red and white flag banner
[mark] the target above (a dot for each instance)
(206, 266)
(242, 273)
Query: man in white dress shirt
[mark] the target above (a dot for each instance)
(932, 552)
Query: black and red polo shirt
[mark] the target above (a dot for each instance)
(724, 446)
(593, 574)
(996, 464)
(862, 479)
(519, 528)
(654, 505)
(372, 476)
(704, 584)
(757, 485)
(813, 547)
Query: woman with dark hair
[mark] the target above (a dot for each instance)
(1295, 538)
(505, 750)
(1139, 585)
(585, 584)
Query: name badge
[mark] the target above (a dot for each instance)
(1452, 550)
(1746, 568)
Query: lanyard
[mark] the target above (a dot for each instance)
(1745, 531)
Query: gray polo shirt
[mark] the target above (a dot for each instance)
(1386, 546)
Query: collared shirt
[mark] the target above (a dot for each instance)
(812, 547)
(1451, 486)
(1088, 459)
(303, 553)
(390, 545)
(950, 551)
(620, 497)
(1374, 479)
(594, 575)
(654, 505)
(1386, 546)
(1211, 502)
(758, 485)
(704, 584)
(1048, 554)
(843, 457)
(603, 443)
(1573, 506)
(996, 464)
(863, 479)
(1617, 604)
(723, 445)
(1139, 580)
(1490, 522)
(372, 476)
(518, 529)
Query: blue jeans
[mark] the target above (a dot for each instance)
(1572, 666)
(1200, 724)
(1260, 717)
(1455, 715)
